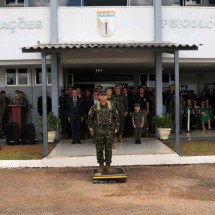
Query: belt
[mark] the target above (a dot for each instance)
(104, 126)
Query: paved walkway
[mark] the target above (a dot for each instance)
(87, 148)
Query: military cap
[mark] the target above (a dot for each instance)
(17, 91)
(102, 93)
(136, 105)
(118, 86)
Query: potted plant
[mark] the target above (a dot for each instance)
(163, 123)
(53, 123)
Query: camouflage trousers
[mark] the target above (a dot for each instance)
(138, 133)
(121, 125)
(103, 137)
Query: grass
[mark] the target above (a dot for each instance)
(32, 152)
(23, 152)
(194, 148)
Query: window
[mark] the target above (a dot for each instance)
(143, 79)
(38, 3)
(165, 78)
(212, 2)
(193, 2)
(92, 3)
(141, 2)
(16, 77)
(15, 2)
(172, 2)
(38, 79)
(70, 2)
(105, 2)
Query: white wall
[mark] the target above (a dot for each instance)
(133, 24)
(80, 24)
(194, 25)
(14, 33)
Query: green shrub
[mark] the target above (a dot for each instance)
(162, 121)
(53, 122)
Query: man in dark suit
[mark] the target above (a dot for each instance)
(74, 110)
(40, 105)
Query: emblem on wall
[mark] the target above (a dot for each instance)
(106, 24)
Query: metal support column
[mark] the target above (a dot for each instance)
(158, 20)
(159, 83)
(177, 114)
(44, 99)
(54, 21)
(55, 84)
(54, 58)
(158, 56)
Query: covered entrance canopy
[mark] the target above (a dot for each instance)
(118, 49)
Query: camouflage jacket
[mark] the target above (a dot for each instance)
(121, 103)
(138, 118)
(106, 115)
(16, 101)
(112, 100)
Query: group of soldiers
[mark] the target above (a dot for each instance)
(5, 103)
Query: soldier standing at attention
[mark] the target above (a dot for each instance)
(138, 122)
(122, 107)
(103, 122)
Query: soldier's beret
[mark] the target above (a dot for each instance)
(17, 91)
(136, 105)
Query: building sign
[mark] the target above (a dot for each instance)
(190, 23)
(106, 24)
(20, 24)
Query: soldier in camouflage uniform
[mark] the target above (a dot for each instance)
(122, 107)
(2, 108)
(110, 97)
(138, 122)
(103, 122)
